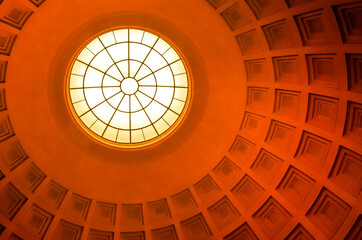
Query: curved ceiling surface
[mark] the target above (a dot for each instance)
(270, 148)
(72, 155)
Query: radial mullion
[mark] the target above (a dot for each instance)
(130, 119)
(143, 62)
(165, 121)
(78, 74)
(160, 103)
(91, 108)
(143, 134)
(115, 40)
(178, 74)
(90, 51)
(113, 115)
(147, 115)
(144, 85)
(119, 70)
(129, 65)
(88, 65)
(93, 123)
(117, 135)
(166, 51)
(78, 88)
(142, 36)
(179, 99)
(157, 70)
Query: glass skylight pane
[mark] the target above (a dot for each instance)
(98, 127)
(86, 56)
(75, 81)
(123, 136)
(143, 72)
(110, 91)
(139, 120)
(120, 120)
(181, 93)
(133, 68)
(110, 82)
(107, 39)
(137, 136)
(164, 95)
(149, 132)
(94, 96)
(161, 126)
(76, 95)
(149, 91)
(123, 66)
(95, 46)
(104, 111)
(143, 99)
(135, 105)
(155, 111)
(128, 87)
(124, 106)
(81, 107)
(161, 46)
(138, 51)
(177, 106)
(155, 61)
(170, 117)
(178, 67)
(102, 61)
(148, 81)
(116, 100)
(164, 77)
(121, 35)
(135, 35)
(93, 78)
(111, 133)
(89, 118)
(115, 73)
(119, 51)
(171, 55)
(79, 68)
(181, 80)
(149, 39)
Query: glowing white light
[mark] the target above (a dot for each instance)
(128, 86)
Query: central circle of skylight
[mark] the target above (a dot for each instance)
(128, 88)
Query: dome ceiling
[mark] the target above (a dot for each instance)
(270, 147)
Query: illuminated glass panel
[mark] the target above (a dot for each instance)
(128, 88)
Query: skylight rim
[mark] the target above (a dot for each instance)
(181, 115)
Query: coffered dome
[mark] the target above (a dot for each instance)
(268, 145)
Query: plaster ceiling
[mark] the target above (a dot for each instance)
(270, 148)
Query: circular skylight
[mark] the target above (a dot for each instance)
(128, 88)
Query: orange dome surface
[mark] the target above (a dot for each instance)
(270, 147)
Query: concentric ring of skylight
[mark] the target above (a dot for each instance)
(127, 87)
